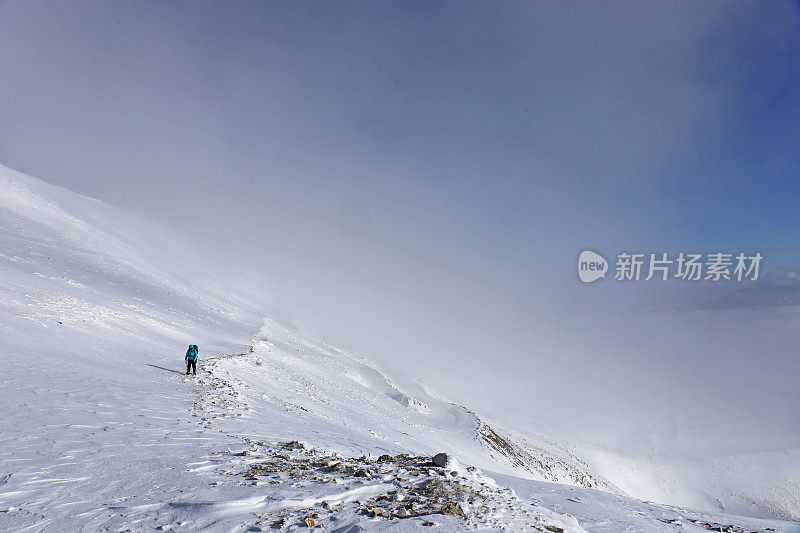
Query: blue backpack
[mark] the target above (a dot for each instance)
(191, 353)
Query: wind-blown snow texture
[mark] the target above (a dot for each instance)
(102, 430)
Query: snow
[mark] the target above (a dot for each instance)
(103, 431)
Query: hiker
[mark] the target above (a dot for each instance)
(191, 359)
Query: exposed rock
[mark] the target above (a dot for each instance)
(440, 460)
(420, 489)
(539, 461)
(452, 509)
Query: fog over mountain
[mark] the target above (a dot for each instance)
(414, 183)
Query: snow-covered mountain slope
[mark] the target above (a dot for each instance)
(102, 431)
(352, 407)
(94, 318)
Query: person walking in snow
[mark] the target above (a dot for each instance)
(191, 359)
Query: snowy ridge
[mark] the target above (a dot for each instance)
(315, 393)
(311, 385)
(103, 431)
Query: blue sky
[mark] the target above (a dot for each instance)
(414, 180)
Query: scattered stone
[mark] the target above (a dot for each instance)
(440, 460)
(420, 488)
(333, 466)
(451, 509)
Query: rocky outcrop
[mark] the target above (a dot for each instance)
(543, 464)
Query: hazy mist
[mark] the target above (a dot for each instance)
(414, 181)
